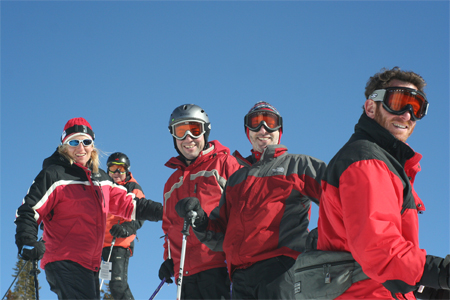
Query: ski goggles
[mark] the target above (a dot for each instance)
(117, 168)
(270, 120)
(194, 128)
(75, 143)
(398, 100)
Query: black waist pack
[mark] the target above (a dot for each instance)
(325, 274)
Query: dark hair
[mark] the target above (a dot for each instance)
(381, 80)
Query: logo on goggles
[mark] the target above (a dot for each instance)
(398, 100)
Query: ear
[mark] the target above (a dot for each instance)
(370, 108)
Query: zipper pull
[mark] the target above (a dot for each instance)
(326, 271)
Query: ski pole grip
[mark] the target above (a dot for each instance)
(188, 221)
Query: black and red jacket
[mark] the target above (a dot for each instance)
(205, 179)
(265, 209)
(73, 203)
(369, 208)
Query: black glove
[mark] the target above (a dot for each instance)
(436, 273)
(32, 250)
(122, 230)
(166, 270)
(185, 205)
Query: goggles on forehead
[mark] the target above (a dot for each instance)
(194, 128)
(117, 168)
(270, 120)
(75, 143)
(398, 100)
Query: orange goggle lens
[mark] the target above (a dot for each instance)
(194, 129)
(117, 168)
(255, 120)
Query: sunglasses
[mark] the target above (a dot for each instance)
(270, 120)
(117, 168)
(194, 128)
(75, 143)
(398, 100)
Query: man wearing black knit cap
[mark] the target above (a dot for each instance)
(262, 220)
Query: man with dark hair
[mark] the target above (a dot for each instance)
(262, 220)
(369, 207)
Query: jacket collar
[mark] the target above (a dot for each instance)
(214, 149)
(369, 129)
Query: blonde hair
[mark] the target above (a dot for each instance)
(93, 163)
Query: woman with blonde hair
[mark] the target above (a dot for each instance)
(72, 196)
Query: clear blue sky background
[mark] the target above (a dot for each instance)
(124, 66)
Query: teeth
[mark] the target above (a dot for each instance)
(400, 126)
(189, 147)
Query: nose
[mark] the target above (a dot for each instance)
(407, 115)
(262, 129)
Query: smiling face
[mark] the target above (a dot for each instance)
(190, 147)
(80, 154)
(400, 126)
(262, 138)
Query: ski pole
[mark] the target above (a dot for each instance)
(191, 217)
(20, 271)
(35, 271)
(164, 279)
(109, 256)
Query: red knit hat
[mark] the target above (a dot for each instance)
(77, 126)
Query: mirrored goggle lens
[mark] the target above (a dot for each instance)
(180, 130)
(75, 143)
(117, 168)
(255, 120)
(398, 100)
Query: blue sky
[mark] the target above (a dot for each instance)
(124, 66)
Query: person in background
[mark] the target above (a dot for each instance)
(262, 221)
(72, 197)
(369, 206)
(202, 169)
(122, 231)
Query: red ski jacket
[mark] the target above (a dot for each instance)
(205, 178)
(369, 208)
(73, 203)
(264, 211)
(132, 187)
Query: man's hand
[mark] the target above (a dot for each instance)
(32, 250)
(166, 270)
(122, 230)
(185, 205)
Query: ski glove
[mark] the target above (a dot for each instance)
(185, 205)
(166, 270)
(122, 230)
(32, 250)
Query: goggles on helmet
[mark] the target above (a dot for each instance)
(194, 128)
(270, 120)
(398, 100)
(114, 168)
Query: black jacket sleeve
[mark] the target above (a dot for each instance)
(148, 210)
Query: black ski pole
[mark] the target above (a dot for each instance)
(34, 272)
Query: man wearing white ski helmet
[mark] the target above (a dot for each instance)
(201, 170)
(262, 219)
